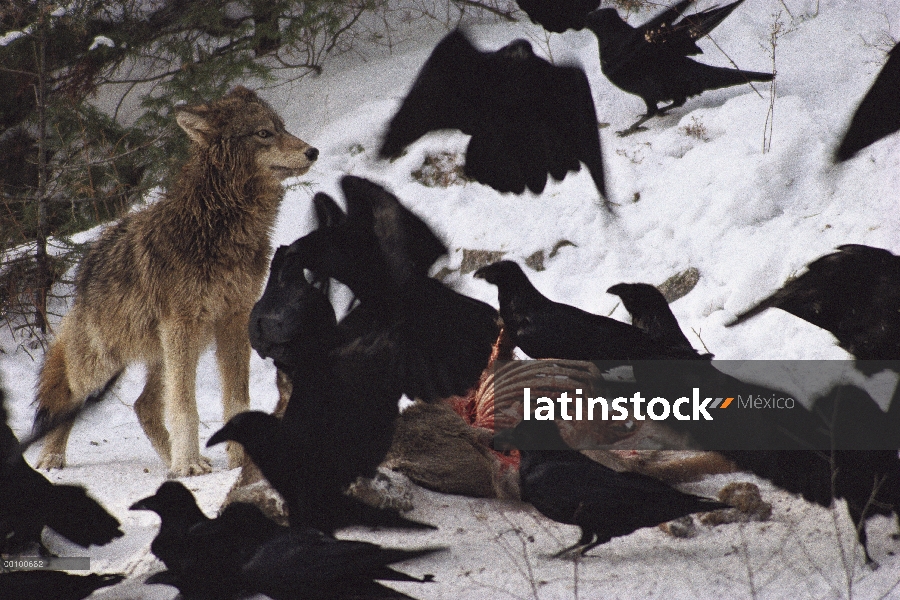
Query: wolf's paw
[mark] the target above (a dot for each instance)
(51, 460)
(201, 466)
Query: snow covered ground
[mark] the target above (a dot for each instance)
(746, 219)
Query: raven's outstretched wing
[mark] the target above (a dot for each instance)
(445, 95)
(878, 114)
(527, 118)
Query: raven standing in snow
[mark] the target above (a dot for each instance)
(568, 487)
(527, 117)
(178, 512)
(242, 552)
(651, 61)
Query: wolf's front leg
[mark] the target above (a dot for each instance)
(233, 358)
(181, 343)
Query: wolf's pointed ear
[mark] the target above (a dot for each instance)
(194, 121)
(244, 94)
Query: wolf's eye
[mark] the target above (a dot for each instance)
(264, 133)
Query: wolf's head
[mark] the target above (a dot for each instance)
(241, 122)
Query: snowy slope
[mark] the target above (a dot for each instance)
(744, 218)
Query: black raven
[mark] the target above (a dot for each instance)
(853, 293)
(878, 114)
(242, 552)
(28, 502)
(558, 15)
(546, 329)
(651, 61)
(527, 118)
(178, 512)
(312, 473)
(568, 487)
(409, 334)
(382, 252)
(651, 313)
(203, 556)
(53, 585)
(304, 563)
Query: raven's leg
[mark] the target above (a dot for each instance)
(587, 537)
(601, 539)
(652, 111)
(675, 104)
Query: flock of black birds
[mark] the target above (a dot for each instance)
(535, 324)
(406, 334)
(529, 118)
(409, 334)
(242, 552)
(824, 453)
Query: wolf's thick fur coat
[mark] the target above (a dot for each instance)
(164, 282)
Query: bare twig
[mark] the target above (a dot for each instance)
(697, 333)
(506, 15)
(775, 32)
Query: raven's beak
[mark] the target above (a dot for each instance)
(143, 504)
(616, 289)
(220, 436)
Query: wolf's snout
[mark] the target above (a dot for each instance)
(312, 153)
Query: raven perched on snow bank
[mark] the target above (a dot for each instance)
(651, 61)
(527, 118)
(651, 313)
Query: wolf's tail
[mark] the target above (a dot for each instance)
(54, 395)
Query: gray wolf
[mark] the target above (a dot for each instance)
(165, 282)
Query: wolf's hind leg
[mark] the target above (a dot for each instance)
(149, 409)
